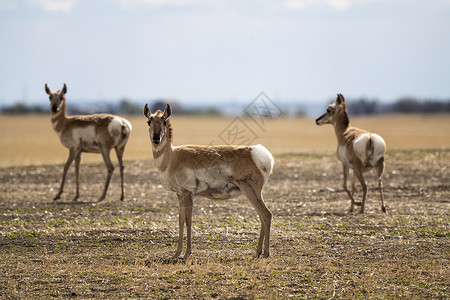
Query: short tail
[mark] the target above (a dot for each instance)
(369, 151)
(263, 160)
(126, 130)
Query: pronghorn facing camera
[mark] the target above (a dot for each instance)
(96, 133)
(215, 172)
(357, 149)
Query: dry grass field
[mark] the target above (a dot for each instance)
(30, 140)
(122, 249)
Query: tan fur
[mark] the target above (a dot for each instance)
(370, 156)
(215, 172)
(96, 133)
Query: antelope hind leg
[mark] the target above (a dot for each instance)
(119, 152)
(77, 175)
(255, 197)
(357, 203)
(360, 177)
(380, 170)
(110, 167)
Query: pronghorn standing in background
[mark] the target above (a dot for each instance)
(215, 172)
(357, 149)
(96, 133)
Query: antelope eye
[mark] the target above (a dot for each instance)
(328, 110)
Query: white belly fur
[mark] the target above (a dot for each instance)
(213, 183)
(216, 182)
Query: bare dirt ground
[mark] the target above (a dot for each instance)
(117, 249)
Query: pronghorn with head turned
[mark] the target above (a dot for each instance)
(357, 149)
(96, 133)
(215, 172)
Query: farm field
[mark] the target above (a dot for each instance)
(30, 140)
(117, 249)
(122, 249)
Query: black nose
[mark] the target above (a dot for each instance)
(156, 138)
(54, 108)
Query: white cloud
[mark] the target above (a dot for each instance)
(337, 4)
(159, 3)
(55, 5)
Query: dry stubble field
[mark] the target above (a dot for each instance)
(120, 249)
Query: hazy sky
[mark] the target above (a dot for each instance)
(217, 50)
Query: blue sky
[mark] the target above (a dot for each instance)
(217, 50)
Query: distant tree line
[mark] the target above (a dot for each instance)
(21, 108)
(127, 107)
(403, 105)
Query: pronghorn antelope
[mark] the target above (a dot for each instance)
(96, 133)
(357, 149)
(215, 172)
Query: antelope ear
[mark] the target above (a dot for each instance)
(340, 99)
(147, 112)
(64, 89)
(47, 90)
(167, 112)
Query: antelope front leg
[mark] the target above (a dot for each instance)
(181, 220)
(352, 205)
(186, 203)
(188, 218)
(66, 168)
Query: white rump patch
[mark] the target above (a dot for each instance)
(263, 160)
(369, 155)
(127, 123)
(379, 147)
(360, 147)
(115, 129)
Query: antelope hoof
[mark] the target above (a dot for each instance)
(57, 197)
(266, 254)
(100, 199)
(383, 208)
(361, 211)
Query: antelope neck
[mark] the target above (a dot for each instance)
(59, 118)
(162, 153)
(341, 124)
